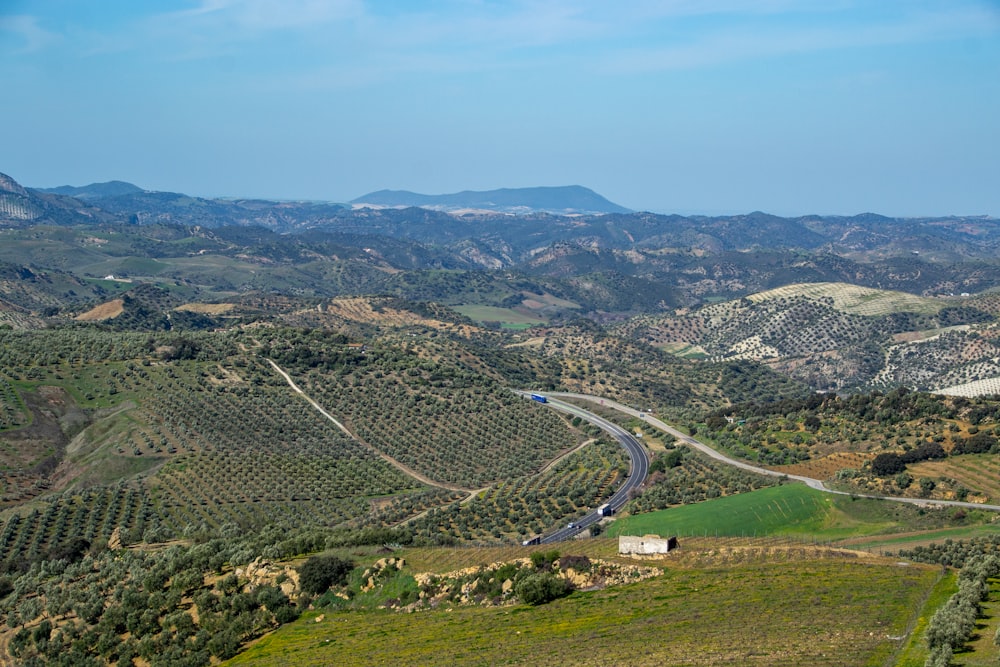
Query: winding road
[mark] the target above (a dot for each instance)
(638, 466)
(638, 460)
(707, 450)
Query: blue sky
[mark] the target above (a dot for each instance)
(690, 106)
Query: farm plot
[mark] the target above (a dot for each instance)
(12, 412)
(534, 504)
(217, 440)
(982, 387)
(978, 473)
(790, 508)
(697, 478)
(465, 435)
(855, 299)
(88, 514)
(825, 467)
(251, 453)
(507, 317)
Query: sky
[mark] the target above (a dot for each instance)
(792, 107)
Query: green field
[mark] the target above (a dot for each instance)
(789, 508)
(795, 510)
(812, 611)
(508, 318)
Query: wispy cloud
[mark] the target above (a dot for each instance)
(28, 32)
(735, 44)
(257, 16)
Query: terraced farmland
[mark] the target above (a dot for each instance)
(984, 387)
(88, 514)
(838, 336)
(458, 429)
(12, 412)
(978, 474)
(856, 299)
(211, 437)
(516, 508)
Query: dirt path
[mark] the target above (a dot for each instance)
(385, 457)
(556, 460)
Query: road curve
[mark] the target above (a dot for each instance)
(638, 466)
(811, 482)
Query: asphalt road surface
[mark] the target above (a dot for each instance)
(811, 482)
(638, 466)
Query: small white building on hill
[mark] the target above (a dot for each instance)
(646, 545)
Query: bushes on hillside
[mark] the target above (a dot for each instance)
(889, 463)
(980, 443)
(319, 573)
(542, 587)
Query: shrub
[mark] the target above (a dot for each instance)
(319, 573)
(541, 587)
(578, 563)
(980, 443)
(924, 452)
(542, 560)
(887, 465)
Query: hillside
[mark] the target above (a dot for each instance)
(95, 190)
(928, 251)
(834, 336)
(170, 425)
(197, 394)
(661, 620)
(20, 207)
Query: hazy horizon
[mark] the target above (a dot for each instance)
(831, 107)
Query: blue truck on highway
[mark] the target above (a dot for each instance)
(539, 398)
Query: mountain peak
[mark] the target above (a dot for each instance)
(8, 184)
(563, 200)
(95, 190)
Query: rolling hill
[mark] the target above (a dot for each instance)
(835, 336)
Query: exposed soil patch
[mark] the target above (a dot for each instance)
(206, 308)
(32, 453)
(826, 467)
(105, 311)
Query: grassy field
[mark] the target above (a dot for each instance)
(785, 509)
(795, 510)
(981, 651)
(855, 299)
(914, 653)
(811, 610)
(507, 317)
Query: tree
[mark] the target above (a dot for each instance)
(979, 443)
(319, 573)
(887, 465)
(903, 480)
(541, 587)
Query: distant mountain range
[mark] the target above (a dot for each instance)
(95, 190)
(646, 245)
(562, 200)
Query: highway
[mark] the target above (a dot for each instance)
(809, 481)
(638, 466)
